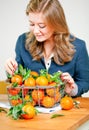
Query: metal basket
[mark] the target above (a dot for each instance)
(46, 96)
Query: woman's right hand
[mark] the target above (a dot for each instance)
(11, 65)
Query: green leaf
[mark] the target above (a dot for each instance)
(2, 110)
(56, 78)
(56, 115)
(26, 75)
(9, 76)
(43, 71)
(15, 97)
(24, 72)
(37, 111)
(62, 90)
(16, 71)
(30, 98)
(15, 111)
(76, 104)
(15, 84)
(20, 69)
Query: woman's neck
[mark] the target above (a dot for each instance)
(48, 49)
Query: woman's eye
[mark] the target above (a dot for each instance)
(42, 26)
(31, 24)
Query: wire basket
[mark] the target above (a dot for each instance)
(45, 96)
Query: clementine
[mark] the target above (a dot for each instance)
(29, 111)
(27, 99)
(15, 102)
(42, 81)
(17, 79)
(57, 97)
(48, 102)
(52, 91)
(52, 84)
(34, 74)
(67, 103)
(37, 95)
(30, 82)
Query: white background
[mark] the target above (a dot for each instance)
(13, 22)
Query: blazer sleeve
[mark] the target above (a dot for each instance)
(82, 70)
(19, 48)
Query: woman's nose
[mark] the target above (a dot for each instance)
(36, 29)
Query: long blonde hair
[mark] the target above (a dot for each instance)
(54, 15)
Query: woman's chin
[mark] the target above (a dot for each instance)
(39, 40)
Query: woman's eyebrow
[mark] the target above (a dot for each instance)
(38, 23)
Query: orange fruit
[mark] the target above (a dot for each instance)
(13, 91)
(15, 102)
(25, 91)
(30, 82)
(17, 79)
(34, 74)
(57, 97)
(52, 91)
(33, 103)
(48, 102)
(66, 103)
(27, 99)
(52, 84)
(37, 95)
(29, 110)
(42, 81)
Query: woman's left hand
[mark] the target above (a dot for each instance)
(69, 82)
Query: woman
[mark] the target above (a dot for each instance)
(49, 45)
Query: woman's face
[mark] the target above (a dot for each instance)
(39, 27)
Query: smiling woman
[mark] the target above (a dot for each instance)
(49, 40)
(39, 26)
(16, 23)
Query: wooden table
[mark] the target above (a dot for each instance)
(71, 120)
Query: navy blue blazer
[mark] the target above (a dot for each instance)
(78, 68)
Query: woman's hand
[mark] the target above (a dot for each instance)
(69, 82)
(11, 65)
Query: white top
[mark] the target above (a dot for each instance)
(48, 62)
